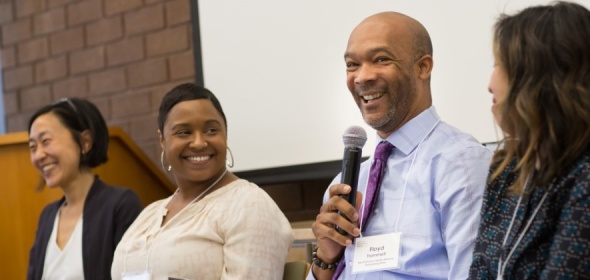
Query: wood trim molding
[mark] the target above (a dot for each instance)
(117, 133)
(295, 173)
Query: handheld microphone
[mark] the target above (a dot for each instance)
(354, 139)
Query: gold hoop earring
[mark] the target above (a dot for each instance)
(230, 165)
(162, 163)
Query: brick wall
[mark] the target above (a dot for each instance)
(123, 55)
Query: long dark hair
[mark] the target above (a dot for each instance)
(545, 53)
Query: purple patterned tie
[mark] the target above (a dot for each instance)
(382, 152)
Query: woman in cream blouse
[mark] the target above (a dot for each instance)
(216, 225)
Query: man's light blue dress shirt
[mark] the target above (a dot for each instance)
(440, 213)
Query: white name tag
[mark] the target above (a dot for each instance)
(137, 276)
(379, 252)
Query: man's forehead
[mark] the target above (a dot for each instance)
(379, 37)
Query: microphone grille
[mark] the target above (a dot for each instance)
(354, 136)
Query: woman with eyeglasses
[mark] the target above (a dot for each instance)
(216, 225)
(77, 234)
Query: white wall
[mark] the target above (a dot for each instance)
(277, 67)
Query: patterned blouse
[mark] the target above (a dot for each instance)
(557, 242)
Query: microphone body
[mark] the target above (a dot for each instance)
(354, 140)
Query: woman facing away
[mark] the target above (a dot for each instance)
(535, 221)
(76, 235)
(216, 225)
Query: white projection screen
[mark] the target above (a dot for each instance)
(277, 67)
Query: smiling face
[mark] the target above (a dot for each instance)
(194, 141)
(53, 151)
(382, 74)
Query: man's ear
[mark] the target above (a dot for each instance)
(86, 140)
(425, 64)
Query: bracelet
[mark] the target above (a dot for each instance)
(319, 263)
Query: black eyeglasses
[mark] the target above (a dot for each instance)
(69, 102)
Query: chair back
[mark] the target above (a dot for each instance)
(296, 270)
